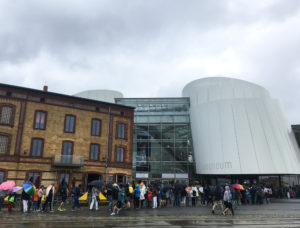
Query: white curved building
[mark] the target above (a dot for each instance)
(100, 95)
(238, 128)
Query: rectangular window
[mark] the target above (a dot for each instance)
(110, 179)
(64, 178)
(34, 177)
(2, 174)
(121, 131)
(70, 124)
(67, 152)
(96, 127)
(94, 153)
(3, 144)
(5, 115)
(37, 147)
(120, 154)
(40, 120)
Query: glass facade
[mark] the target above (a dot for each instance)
(162, 138)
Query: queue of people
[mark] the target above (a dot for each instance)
(120, 197)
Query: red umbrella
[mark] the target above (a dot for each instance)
(238, 186)
(7, 185)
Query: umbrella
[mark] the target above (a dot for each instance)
(97, 183)
(15, 189)
(179, 186)
(167, 187)
(238, 186)
(7, 185)
(29, 188)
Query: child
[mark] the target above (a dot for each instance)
(36, 198)
(11, 200)
(149, 198)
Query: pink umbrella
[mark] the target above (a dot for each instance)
(15, 189)
(7, 185)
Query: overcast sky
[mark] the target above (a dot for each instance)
(151, 48)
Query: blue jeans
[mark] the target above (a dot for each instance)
(176, 201)
(187, 201)
(110, 204)
(76, 202)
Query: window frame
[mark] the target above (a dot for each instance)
(4, 171)
(74, 124)
(99, 148)
(34, 171)
(7, 149)
(12, 117)
(42, 149)
(125, 130)
(34, 121)
(92, 127)
(62, 148)
(124, 152)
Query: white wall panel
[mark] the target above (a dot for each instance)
(238, 129)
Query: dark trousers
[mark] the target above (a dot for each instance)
(48, 200)
(229, 205)
(10, 206)
(1, 202)
(148, 203)
(136, 202)
(76, 202)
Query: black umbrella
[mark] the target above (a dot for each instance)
(97, 183)
(167, 187)
(179, 186)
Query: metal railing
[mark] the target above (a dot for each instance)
(68, 161)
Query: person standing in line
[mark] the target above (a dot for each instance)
(149, 198)
(63, 189)
(201, 191)
(154, 194)
(95, 196)
(41, 193)
(25, 198)
(109, 194)
(227, 201)
(49, 198)
(76, 194)
(137, 193)
(142, 194)
(2, 196)
(11, 199)
(35, 197)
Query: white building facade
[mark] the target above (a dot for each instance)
(237, 128)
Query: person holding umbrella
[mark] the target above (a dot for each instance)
(4, 187)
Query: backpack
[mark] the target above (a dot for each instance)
(229, 195)
(74, 190)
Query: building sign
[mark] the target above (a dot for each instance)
(168, 175)
(175, 175)
(142, 175)
(181, 175)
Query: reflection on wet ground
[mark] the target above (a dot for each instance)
(277, 214)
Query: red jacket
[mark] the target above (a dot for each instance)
(149, 196)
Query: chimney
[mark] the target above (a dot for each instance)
(45, 89)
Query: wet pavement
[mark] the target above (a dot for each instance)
(280, 213)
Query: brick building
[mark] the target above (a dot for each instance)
(47, 137)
